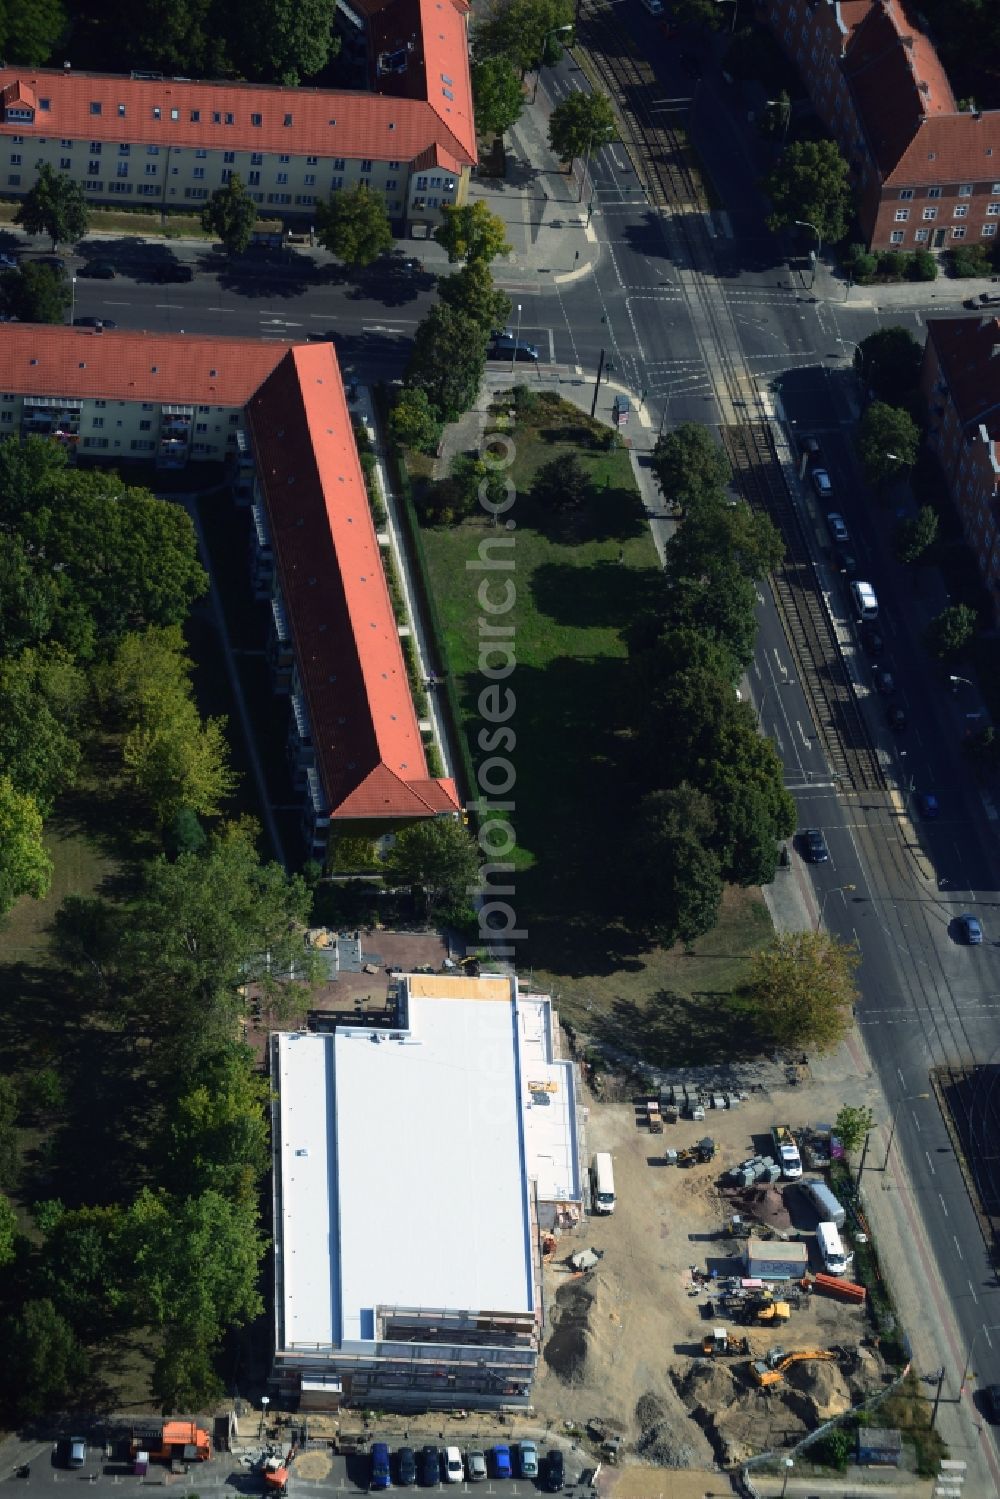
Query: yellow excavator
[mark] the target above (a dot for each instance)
(772, 1311)
(771, 1368)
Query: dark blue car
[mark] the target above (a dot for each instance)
(381, 1477)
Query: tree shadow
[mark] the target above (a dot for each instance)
(681, 1030)
(605, 594)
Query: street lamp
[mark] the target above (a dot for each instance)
(265, 1401)
(859, 352)
(789, 1465)
(955, 681)
(736, 10)
(967, 1370)
(895, 1115)
(835, 890)
(517, 340)
(807, 224)
(553, 31)
(783, 103)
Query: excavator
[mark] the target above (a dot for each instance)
(275, 1472)
(769, 1310)
(770, 1370)
(721, 1341)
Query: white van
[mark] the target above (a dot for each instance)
(865, 601)
(602, 1177)
(831, 1247)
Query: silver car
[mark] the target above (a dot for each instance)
(475, 1465)
(527, 1454)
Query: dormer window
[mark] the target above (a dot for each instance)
(95, 107)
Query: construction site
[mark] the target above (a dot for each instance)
(696, 1324)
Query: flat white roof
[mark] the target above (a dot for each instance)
(549, 1105)
(414, 1191)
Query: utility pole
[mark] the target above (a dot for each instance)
(597, 384)
(864, 1152)
(937, 1397)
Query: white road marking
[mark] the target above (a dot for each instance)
(943, 1207)
(972, 1292)
(930, 1162)
(958, 1247)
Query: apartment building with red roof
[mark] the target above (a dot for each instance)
(960, 381)
(170, 142)
(279, 414)
(927, 174)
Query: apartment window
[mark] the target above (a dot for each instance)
(992, 210)
(961, 211)
(906, 194)
(364, 182)
(119, 187)
(95, 107)
(921, 236)
(280, 198)
(201, 426)
(421, 184)
(15, 159)
(227, 175)
(147, 189)
(201, 155)
(988, 231)
(92, 186)
(336, 183)
(390, 184)
(93, 166)
(151, 169)
(45, 105)
(175, 114)
(152, 150)
(145, 426)
(198, 174)
(338, 164)
(933, 192)
(902, 214)
(256, 159)
(309, 180)
(435, 182)
(65, 145)
(97, 421)
(121, 168)
(284, 160)
(965, 191)
(124, 149)
(366, 166)
(65, 163)
(257, 120)
(156, 111)
(895, 238)
(95, 148)
(195, 116)
(17, 140)
(14, 179)
(6, 416)
(305, 200)
(196, 192)
(216, 116)
(312, 161)
(393, 166)
(929, 214)
(958, 233)
(139, 446)
(230, 119)
(258, 198)
(229, 157)
(288, 119)
(254, 179)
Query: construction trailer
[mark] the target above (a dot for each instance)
(776, 1259)
(177, 1442)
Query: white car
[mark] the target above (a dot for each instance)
(454, 1468)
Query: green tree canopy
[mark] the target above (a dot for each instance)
(354, 225)
(44, 1364)
(753, 811)
(471, 231)
(413, 421)
(498, 94)
(811, 183)
(581, 124)
(852, 1125)
(888, 440)
(698, 14)
(217, 1135)
(448, 360)
(35, 293)
(440, 857)
(10, 1155)
(672, 876)
(950, 630)
(25, 867)
(231, 213)
(29, 32)
(43, 694)
(181, 36)
(801, 990)
(562, 484)
(519, 30)
(54, 206)
(690, 466)
(750, 541)
(889, 363)
(471, 291)
(915, 533)
(83, 1269)
(8, 1231)
(283, 41)
(720, 604)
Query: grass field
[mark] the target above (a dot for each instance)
(582, 580)
(110, 221)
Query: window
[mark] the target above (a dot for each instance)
(216, 116)
(227, 175)
(201, 155)
(279, 197)
(281, 178)
(97, 421)
(393, 166)
(15, 158)
(139, 446)
(95, 442)
(921, 236)
(421, 184)
(929, 214)
(14, 179)
(257, 120)
(284, 160)
(121, 168)
(288, 119)
(93, 186)
(123, 149)
(338, 163)
(992, 210)
(312, 161)
(195, 116)
(336, 183)
(364, 182)
(65, 145)
(988, 231)
(305, 200)
(958, 233)
(895, 238)
(199, 174)
(93, 166)
(151, 169)
(390, 184)
(156, 111)
(366, 166)
(45, 105)
(309, 180)
(147, 189)
(95, 107)
(906, 194)
(961, 211)
(256, 159)
(95, 148)
(65, 163)
(196, 192)
(933, 192)
(175, 114)
(435, 182)
(230, 118)
(965, 191)
(152, 150)
(145, 426)
(6, 416)
(201, 426)
(902, 214)
(229, 157)
(254, 179)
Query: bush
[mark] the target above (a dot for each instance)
(435, 764)
(860, 264)
(526, 402)
(833, 1450)
(970, 260)
(925, 266)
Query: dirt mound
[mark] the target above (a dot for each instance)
(766, 1205)
(709, 1386)
(567, 1349)
(649, 1409)
(658, 1442)
(823, 1388)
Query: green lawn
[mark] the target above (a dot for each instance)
(582, 580)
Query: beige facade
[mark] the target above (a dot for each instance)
(169, 434)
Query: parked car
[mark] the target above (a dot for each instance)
(8, 263)
(814, 849)
(838, 528)
(884, 681)
(406, 1467)
(969, 929)
(521, 353)
(871, 639)
(555, 1471)
(990, 1396)
(809, 447)
(454, 1468)
(822, 483)
(381, 1478)
(846, 562)
(98, 270)
(475, 1465)
(76, 1452)
(527, 1457)
(168, 270)
(928, 805)
(54, 262)
(94, 322)
(896, 717)
(430, 1467)
(501, 1460)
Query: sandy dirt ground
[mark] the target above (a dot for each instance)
(624, 1335)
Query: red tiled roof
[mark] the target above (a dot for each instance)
(898, 83)
(382, 126)
(432, 35)
(36, 359)
(365, 734)
(968, 351)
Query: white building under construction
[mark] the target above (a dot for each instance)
(414, 1169)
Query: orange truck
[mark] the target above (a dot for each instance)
(179, 1442)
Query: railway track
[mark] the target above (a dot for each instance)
(660, 155)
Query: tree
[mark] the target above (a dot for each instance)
(8, 1230)
(217, 1137)
(720, 603)
(83, 1268)
(438, 856)
(470, 231)
(43, 1362)
(54, 206)
(184, 834)
(448, 361)
(703, 14)
(521, 29)
(916, 533)
(852, 1125)
(753, 811)
(354, 225)
(43, 694)
(284, 41)
(10, 1156)
(950, 630)
(30, 32)
(690, 466)
(811, 182)
(732, 532)
(231, 213)
(25, 867)
(672, 876)
(473, 482)
(35, 294)
(413, 421)
(498, 94)
(801, 990)
(471, 291)
(889, 363)
(180, 36)
(581, 124)
(562, 484)
(888, 440)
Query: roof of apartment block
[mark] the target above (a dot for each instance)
(896, 80)
(364, 729)
(409, 112)
(968, 351)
